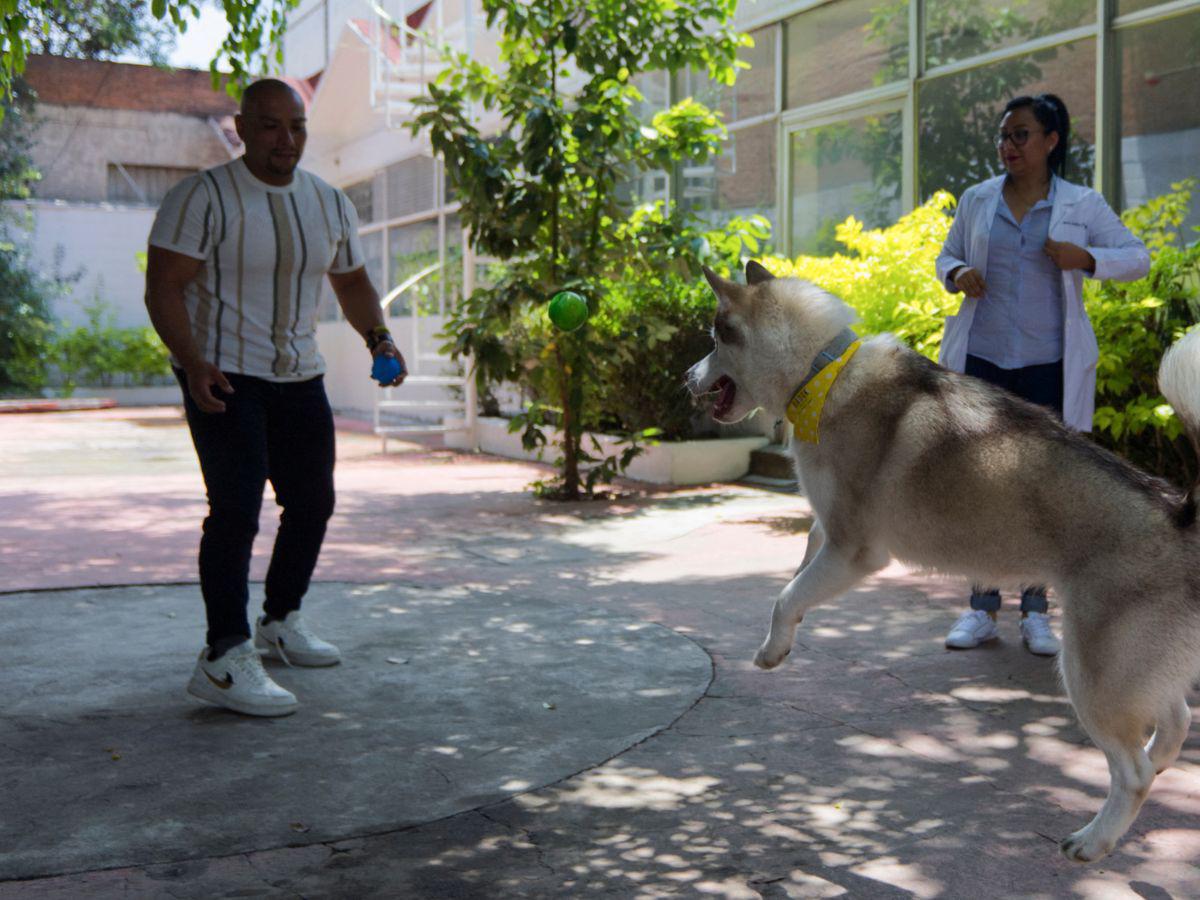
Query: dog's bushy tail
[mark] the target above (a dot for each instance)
(1179, 380)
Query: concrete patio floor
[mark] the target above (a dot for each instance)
(538, 700)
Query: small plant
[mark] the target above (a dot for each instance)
(99, 353)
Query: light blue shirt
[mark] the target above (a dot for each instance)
(1019, 321)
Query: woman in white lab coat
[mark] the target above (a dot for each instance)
(1019, 249)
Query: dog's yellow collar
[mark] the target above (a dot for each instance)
(804, 409)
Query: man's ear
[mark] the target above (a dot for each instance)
(728, 292)
(756, 273)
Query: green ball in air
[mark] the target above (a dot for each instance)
(568, 310)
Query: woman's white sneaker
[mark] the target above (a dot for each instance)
(238, 681)
(973, 628)
(1035, 631)
(291, 640)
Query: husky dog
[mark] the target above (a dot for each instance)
(906, 459)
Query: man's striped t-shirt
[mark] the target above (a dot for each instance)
(266, 250)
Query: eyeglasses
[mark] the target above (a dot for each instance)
(1018, 136)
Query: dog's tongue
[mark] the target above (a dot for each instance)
(728, 390)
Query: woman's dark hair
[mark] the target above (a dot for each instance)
(1051, 112)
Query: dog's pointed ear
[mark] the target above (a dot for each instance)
(756, 273)
(726, 291)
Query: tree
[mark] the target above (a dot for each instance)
(25, 320)
(98, 29)
(541, 193)
(105, 29)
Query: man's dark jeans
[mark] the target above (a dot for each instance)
(277, 431)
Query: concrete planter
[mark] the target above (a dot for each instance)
(674, 462)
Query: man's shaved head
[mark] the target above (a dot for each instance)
(256, 92)
(272, 125)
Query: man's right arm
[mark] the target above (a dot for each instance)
(167, 274)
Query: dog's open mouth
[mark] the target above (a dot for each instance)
(726, 390)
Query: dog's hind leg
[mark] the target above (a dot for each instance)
(831, 572)
(1114, 720)
(1170, 732)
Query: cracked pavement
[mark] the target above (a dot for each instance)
(873, 763)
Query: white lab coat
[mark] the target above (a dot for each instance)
(1079, 215)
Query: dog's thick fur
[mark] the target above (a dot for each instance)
(950, 473)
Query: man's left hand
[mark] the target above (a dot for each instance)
(1068, 256)
(387, 348)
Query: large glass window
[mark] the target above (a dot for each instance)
(1125, 7)
(1159, 115)
(410, 187)
(844, 47)
(960, 113)
(453, 273)
(739, 182)
(362, 195)
(753, 94)
(372, 245)
(847, 168)
(959, 29)
(412, 250)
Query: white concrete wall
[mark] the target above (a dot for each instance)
(100, 240)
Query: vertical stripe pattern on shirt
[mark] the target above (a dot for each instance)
(202, 327)
(299, 281)
(241, 266)
(217, 242)
(285, 261)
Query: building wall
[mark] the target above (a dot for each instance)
(100, 243)
(74, 146)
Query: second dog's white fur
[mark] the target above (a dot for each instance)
(949, 473)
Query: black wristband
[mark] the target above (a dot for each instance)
(377, 336)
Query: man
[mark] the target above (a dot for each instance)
(236, 258)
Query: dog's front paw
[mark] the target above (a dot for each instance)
(1086, 845)
(768, 657)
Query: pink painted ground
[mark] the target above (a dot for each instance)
(873, 764)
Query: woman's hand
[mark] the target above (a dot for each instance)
(970, 282)
(1068, 256)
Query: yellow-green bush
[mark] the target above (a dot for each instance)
(887, 274)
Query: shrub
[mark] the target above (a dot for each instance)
(26, 326)
(100, 353)
(886, 275)
(1135, 323)
(650, 321)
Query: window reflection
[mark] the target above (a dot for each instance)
(838, 170)
(1159, 116)
(844, 47)
(959, 115)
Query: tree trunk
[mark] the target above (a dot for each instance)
(570, 445)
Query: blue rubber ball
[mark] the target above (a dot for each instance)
(386, 369)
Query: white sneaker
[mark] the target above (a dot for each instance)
(1035, 631)
(238, 681)
(973, 628)
(291, 641)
